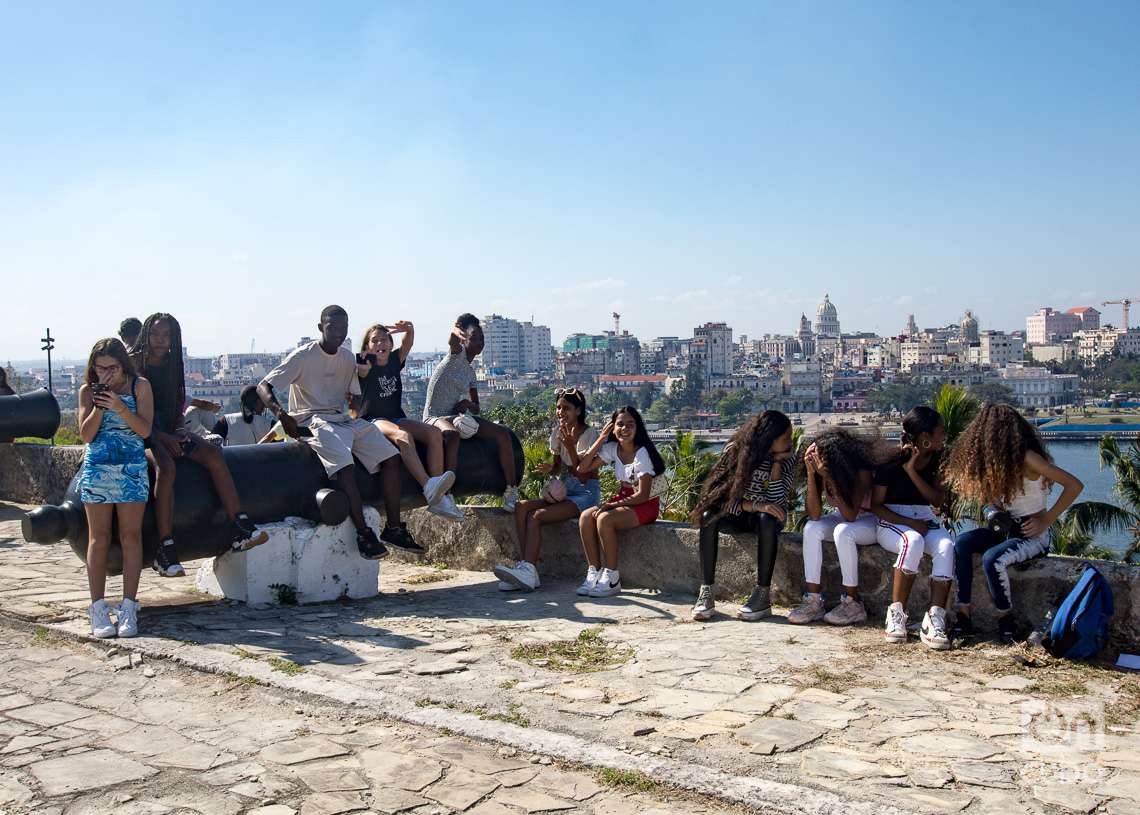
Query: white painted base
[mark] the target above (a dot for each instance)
(320, 562)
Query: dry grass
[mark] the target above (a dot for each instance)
(587, 653)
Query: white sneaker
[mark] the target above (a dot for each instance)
(437, 486)
(933, 631)
(510, 498)
(609, 584)
(101, 625)
(523, 574)
(128, 618)
(705, 606)
(808, 611)
(446, 507)
(848, 612)
(591, 580)
(896, 623)
(503, 585)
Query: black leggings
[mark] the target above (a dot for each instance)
(767, 529)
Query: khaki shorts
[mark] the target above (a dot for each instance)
(336, 442)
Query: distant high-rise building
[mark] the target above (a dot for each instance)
(712, 349)
(826, 319)
(911, 329)
(516, 347)
(1047, 325)
(969, 327)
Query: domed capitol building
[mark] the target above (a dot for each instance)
(826, 319)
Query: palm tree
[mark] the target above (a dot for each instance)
(1073, 532)
(688, 460)
(957, 407)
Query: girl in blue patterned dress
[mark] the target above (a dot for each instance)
(115, 412)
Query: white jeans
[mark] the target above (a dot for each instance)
(910, 544)
(848, 536)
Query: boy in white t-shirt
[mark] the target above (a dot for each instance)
(320, 375)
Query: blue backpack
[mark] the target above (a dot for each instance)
(1080, 627)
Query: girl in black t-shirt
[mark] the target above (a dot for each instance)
(907, 491)
(381, 392)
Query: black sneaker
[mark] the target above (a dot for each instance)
(370, 547)
(1007, 631)
(246, 535)
(963, 626)
(166, 560)
(401, 538)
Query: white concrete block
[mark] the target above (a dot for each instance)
(320, 562)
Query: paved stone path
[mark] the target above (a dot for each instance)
(794, 719)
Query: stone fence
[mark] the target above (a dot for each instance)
(664, 555)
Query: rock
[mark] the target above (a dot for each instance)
(983, 774)
(306, 748)
(769, 735)
(641, 729)
(460, 788)
(948, 745)
(136, 659)
(399, 770)
(532, 800)
(438, 667)
(938, 802)
(149, 672)
(932, 777)
(273, 809)
(390, 801)
(1066, 796)
(1122, 785)
(49, 714)
(1010, 682)
(332, 803)
(332, 779)
(837, 765)
(93, 769)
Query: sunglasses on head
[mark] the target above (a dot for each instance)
(558, 394)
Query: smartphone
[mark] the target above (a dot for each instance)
(99, 387)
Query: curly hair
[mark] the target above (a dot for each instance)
(987, 461)
(746, 450)
(844, 455)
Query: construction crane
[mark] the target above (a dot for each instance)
(1124, 303)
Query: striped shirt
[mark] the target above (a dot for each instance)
(761, 489)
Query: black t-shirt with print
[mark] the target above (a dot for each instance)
(382, 390)
(900, 488)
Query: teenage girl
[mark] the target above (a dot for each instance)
(1000, 460)
(840, 467)
(747, 490)
(569, 441)
(907, 489)
(115, 412)
(382, 389)
(623, 443)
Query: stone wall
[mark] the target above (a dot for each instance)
(37, 473)
(664, 555)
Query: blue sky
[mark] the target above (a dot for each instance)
(243, 165)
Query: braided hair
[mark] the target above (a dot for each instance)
(745, 452)
(176, 382)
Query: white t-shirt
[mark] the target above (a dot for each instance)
(627, 473)
(317, 381)
(585, 442)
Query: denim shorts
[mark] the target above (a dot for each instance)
(582, 495)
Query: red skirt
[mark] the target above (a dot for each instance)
(646, 513)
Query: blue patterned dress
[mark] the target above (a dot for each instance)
(114, 464)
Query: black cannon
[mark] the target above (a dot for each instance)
(273, 481)
(29, 414)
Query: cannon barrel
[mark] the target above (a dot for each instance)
(274, 481)
(29, 414)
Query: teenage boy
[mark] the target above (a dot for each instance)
(157, 355)
(453, 390)
(319, 375)
(129, 331)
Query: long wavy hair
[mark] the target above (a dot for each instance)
(110, 347)
(987, 461)
(378, 327)
(745, 452)
(844, 455)
(640, 437)
(176, 374)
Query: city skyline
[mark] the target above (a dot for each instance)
(675, 164)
